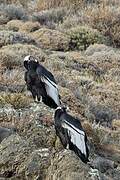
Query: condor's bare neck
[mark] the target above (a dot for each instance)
(59, 113)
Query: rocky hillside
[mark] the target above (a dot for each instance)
(79, 42)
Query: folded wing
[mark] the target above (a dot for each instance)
(50, 85)
(77, 137)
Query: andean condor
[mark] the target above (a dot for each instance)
(41, 82)
(71, 133)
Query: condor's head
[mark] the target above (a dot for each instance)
(60, 110)
(30, 63)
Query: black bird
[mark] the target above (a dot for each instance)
(41, 82)
(71, 133)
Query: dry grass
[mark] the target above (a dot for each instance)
(16, 100)
(18, 2)
(10, 37)
(29, 27)
(116, 124)
(51, 17)
(106, 19)
(10, 77)
(14, 25)
(13, 55)
(93, 136)
(44, 4)
(51, 39)
(24, 27)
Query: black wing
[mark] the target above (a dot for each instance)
(26, 64)
(44, 72)
(50, 85)
(77, 138)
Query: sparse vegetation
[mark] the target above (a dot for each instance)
(29, 27)
(14, 25)
(50, 17)
(106, 20)
(51, 39)
(13, 55)
(10, 37)
(15, 12)
(79, 42)
(100, 114)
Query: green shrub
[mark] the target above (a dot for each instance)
(82, 36)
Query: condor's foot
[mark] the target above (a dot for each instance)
(38, 99)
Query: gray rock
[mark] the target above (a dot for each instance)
(103, 164)
(6, 132)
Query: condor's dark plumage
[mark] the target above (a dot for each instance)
(71, 133)
(41, 82)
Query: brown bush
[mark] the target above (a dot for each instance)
(10, 77)
(17, 100)
(106, 19)
(13, 55)
(29, 26)
(44, 4)
(97, 48)
(51, 39)
(14, 25)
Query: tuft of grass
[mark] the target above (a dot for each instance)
(13, 55)
(97, 48)
(100, 114)
(15, 12)
(16, 100)
(14, 25)
(50, 17)
(51, 39)
(10, 77)
(44, 4)
(10, 37)
(29, 27)
(105, 18)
